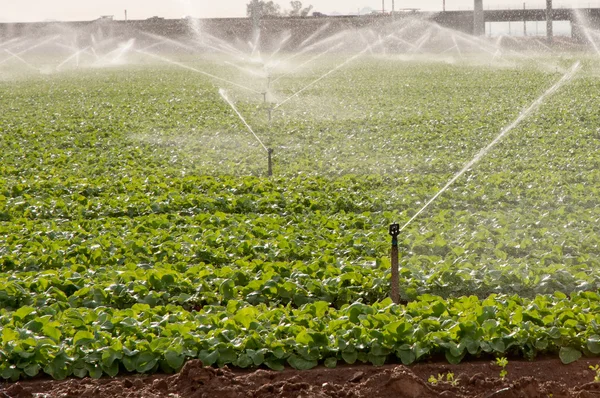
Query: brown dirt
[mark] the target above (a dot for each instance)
(542, 378)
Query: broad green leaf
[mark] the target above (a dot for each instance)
(593, 344)
(83, 338)
(174, 359)
(350, 357)
(300, 363)
(568, 355)
(331, 362)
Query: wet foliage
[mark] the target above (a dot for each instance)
(138, 228)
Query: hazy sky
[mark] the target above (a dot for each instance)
(40, 10)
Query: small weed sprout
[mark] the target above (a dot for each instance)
(450, 379)
(596, 369)
(502, 362)
(440, 379)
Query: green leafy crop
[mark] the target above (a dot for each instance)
(138, 229)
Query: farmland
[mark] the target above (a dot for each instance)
(138, 229)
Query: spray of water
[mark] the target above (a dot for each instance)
(16, 56)
(583, 25)
(533, 107)
(314, 35)
(75, 55)
(346, 62)
(181, 65)
(223, 94)
(319, 55)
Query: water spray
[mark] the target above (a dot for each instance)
(223, 94)
(17, 57)
(395, 231)
(181, 65)
(308, 61)
(360, 54)
(75, 55)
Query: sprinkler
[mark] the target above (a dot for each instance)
(395, 291)
(270, 160)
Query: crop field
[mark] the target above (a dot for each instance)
(139, 230)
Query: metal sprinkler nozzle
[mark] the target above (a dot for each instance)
(394, 232)
(395, 288)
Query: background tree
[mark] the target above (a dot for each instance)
(297, 10)
(262, 8)
(305, 11)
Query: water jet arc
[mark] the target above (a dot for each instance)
(533, 107)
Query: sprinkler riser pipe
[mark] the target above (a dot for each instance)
(395, 282)
(270, 162)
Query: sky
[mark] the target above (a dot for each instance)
(73, 10)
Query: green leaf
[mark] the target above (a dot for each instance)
(227, 289)
(454, 359)
(350, 357)
(83, 338)
(208, 358)
(145, 362)
(258, 357)
(130, 363)
(331, 362)
(9, 335)
(377, 360)
(300, 363)
(109, 356)
(174, 359)
(10, 372)
(275, 365)
(94, 370)
(23, 312)
(111, 370)
(243, 361)
(52, 332)
(407, 356)
(593, 344)
(58, 368)
(569, 355)
(246, 316)
(32, 370)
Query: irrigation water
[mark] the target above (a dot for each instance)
(182, 65)
(532, 108)
(223, 94)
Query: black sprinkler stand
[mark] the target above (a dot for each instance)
(395, 282)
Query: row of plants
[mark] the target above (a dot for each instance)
(103, 341)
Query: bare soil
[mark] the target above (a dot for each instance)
(541, 378)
